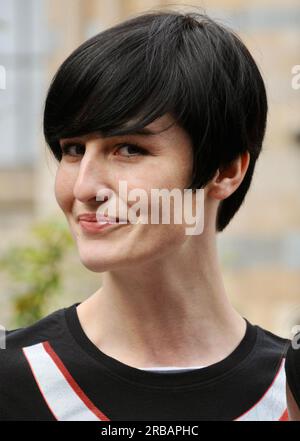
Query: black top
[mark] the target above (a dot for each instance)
(52, 371)
(292, 368)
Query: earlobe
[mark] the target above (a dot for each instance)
(216, 188)
(218, 193)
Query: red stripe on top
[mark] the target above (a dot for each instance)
(284, 416)
(37, 382)
(261, 398)
(77, 389)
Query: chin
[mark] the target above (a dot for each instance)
(101, 262)
(98, 262)
(101, 259)
(95, 266)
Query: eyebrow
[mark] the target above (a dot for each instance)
(139, 132)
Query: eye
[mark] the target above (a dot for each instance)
(66, 149)
(75, 150)
(137, 150)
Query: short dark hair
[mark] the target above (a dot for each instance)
(182, 63)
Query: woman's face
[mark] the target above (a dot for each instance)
(92, 163)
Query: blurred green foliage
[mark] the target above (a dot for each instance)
(36, 268)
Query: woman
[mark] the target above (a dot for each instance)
(164, 100)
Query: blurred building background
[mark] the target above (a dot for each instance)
(260, 249)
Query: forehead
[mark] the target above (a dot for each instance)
(159, 125)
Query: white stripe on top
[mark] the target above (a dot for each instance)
(63, 401)
(272, 404)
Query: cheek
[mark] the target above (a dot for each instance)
(155, 241)
(173, 174)
(176, 173)
(64, 189)
(169, 173)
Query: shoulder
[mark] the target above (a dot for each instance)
(44, 329)
(19, 392)
(15, 377)
(292, 367)
(293, 353)
(264, 377)
(12, 355)
(272, 344)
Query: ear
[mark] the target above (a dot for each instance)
(229, 177)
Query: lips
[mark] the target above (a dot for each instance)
(91, 217)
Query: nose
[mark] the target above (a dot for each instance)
(92, 178)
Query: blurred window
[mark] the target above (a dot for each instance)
(22, 50)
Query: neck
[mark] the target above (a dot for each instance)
(164, 313)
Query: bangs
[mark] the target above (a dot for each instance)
(113, 84)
